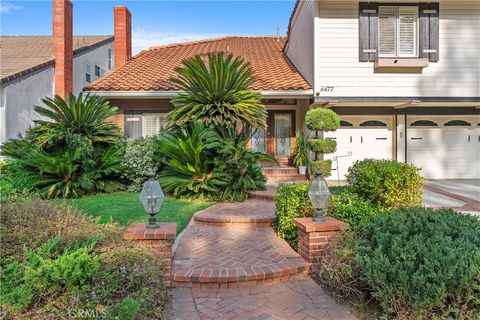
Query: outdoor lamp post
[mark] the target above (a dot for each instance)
(151, 198)
(319, 195)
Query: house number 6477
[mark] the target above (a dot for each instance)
(326, 89)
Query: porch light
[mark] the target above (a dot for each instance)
(151, 198)
(319, 195)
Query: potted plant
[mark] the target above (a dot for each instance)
(300, 152)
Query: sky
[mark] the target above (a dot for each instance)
(153, 22)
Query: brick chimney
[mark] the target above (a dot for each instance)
(122, 31)
(62, 46)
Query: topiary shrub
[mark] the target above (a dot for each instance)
(322, 120)
(422, 263)
(139, 159)
(386, 182)
(349, 207)
(292, 202)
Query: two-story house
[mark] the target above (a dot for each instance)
(33, 67)
(403, 76)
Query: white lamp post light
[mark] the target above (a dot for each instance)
(152, 198)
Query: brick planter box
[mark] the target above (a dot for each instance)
(314, 238)
(159, 241)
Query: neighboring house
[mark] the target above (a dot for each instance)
(33, 67)
(404, 77)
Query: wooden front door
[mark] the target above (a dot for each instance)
(278, 138)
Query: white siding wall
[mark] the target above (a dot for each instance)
(18, 98)
(99, 57)
(300, 44)
(457, 74)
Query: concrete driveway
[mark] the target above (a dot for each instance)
(462, 195)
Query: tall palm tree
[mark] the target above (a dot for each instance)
(217, 93)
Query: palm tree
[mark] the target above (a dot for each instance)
(85, 115)
(217, 93)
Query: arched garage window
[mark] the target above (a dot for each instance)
(423, 123)
(373, 123)
(457, 123)
(344, 123)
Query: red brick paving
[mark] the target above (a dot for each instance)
(295, 299)
(229, 266)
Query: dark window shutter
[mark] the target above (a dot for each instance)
(373, 30)
(363, 32)
(133, 124)
(367, 31)
(434, 31)
(428, 42)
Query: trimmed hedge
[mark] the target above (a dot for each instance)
(292, 202)
(325, 167)
(349, 207)
(322, 145)
(322, 120)
(388, 183)
(423, 263)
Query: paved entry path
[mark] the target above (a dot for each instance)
(229, 264)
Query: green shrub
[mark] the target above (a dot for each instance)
(325, 167)
(386, 182)
(423, 263)
(349, 207)
(291, 202)
(209, 163)
(74, 151)
(323, 145)
(300, 153)
(129, 309)
(140, 158)
(339, 272)
(72, 263)
(322, 120)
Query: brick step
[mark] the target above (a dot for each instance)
(262, 195)
(280, 171)
(238, 278)
(290, 178)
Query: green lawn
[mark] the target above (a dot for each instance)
(125, 207)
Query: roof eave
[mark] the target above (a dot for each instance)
(278, 94)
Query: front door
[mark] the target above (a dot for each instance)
(278, 138)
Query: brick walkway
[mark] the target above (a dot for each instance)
(229, 264)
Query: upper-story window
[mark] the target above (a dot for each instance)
(397, 31)
(402, 30)
(97, 71)
(88, 73)
(109, 59)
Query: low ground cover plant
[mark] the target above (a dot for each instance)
(58, 263)
(388, 183)
(422, 263)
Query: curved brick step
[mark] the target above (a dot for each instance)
(253, 212)
(213, 256)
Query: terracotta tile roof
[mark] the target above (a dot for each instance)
(21, 53)
(152, 69)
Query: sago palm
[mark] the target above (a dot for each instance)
(85, 115)
(217, 92)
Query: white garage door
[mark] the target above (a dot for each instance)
(444, 147)
(361, 137)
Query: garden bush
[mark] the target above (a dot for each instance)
(423, 263)
(140, 158)
(56, 262)
(349, 207)
(386, 182)
(291, 202)
(339, 272)
(74, 151)
(321, 119)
